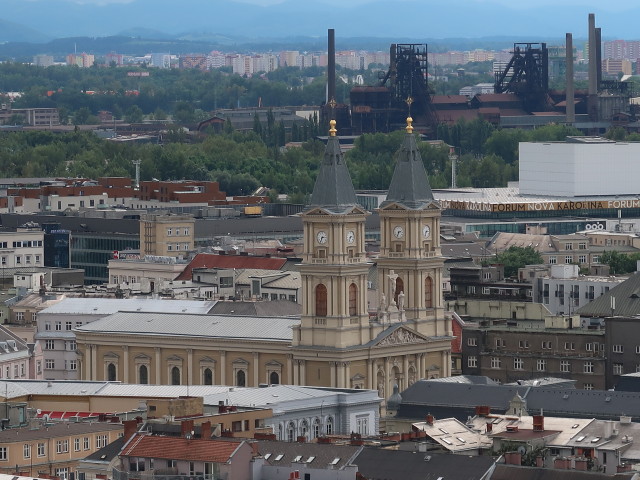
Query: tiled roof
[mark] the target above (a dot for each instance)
(172, 448)
(208, 260)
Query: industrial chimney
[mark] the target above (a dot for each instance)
(569, 89)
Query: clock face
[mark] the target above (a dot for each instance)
(351, 236)
(398, 232)
(426, 231)
(322, 237)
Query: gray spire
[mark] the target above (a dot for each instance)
(333, 189)
(409, 184)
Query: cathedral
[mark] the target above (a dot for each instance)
(339, 341)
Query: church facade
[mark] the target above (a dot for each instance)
(338, 341)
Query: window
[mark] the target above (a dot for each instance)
(589, 347)
(618, 349)
(41, 450)
(523, 343)
(72, 346)
(486, 290)
(472, 361)
(472, 342)
(47, 326)
(321, 300)
(26, 450)
(582, 259)
(568, 259)
(20, 316)
(518, 364)
(428, 292)
(62, 446)
(541, 365)
(588, 367)
(362, 424)
(496, 362)
(552, 260)
(353, 300)
(596, 258)
(69, 326)
(143, 373)
(101, 441)
(62, 473)
(546, 345)
(500, 343)
(76, 444)
(86, 443)
(73, 365)
(175, 376)
(58, 326)
(588, 386)
(569, 346)
(169, 232)
(582, 246)
(186, 230)
(618, 369)
(565, 366)
(49, 364)
(111, 372)
(568, 246)
(637, 348)
(50, 345)
(3, 454)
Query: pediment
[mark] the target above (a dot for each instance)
(174, 358)
(274, 363)
(111, 355)
(207, 360)
(401, 336)
(240, 361)
(142, 356)
(357, 377)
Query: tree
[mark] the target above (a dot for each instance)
(514, 258)
(620, 263)
(134, 114)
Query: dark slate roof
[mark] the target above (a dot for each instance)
(272, 308)
(323, 454)
(333, 189)
(109, 452)
(627, 295)
(509, 472)
(409, 184)
(447, 399)
(378, 464)
(628, 383)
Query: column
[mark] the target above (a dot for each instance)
(223, 367)
(189, 375)
(125, 354)
(443, 364)
(388, 388)
(370, 374)
(256, 368)
(94, 361)
(347, 374)
(332, 373)
(289, 369)
(405, 373)
(341, 368)
(296, 372)
(158, 366)
(420, 362)
(303, 372)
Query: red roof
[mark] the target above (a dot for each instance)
(210, 260)
(177, 448)
(449, 99)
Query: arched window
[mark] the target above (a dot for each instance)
(353, 300)
(316, 428)
(428, 292)
(304, 429)
(143, 374)
(399, 288)
(321, 300)
(291, 432)
(328, 427)
(274, 378)
(175, 376)
(241, 378)
(111, 372)
(207, 376)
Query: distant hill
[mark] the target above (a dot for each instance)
(14, 32)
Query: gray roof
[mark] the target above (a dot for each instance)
(333, 189)
(56, 430)
(321, 455)
(107, 453)
(184, 325)
(409, 184)
(627, 295)
(459, 400)
(381, 464)
(272, 308)
(107, 306)
(509, 472)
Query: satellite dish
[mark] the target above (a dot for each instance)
(522, 450)
(38, 411)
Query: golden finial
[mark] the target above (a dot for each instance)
(332, 129)
(409, 126)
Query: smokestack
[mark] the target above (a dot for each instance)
(593, 72)
(598, 58)
(331, 66)
(569, 89)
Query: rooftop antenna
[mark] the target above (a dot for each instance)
(137, 162)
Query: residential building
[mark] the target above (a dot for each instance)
(622, 347)
(23, 247)
(149, 271)
(486, 283)
(56, 325)
(53, 449)
(166, 235)
(82, 60)
(19, 359)
(558, 347)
